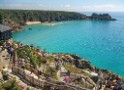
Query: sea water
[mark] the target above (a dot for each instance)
(101, 42)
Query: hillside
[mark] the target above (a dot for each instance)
(17, 18)
(58, 71)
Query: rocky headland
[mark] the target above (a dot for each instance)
(17, 18)
(96, 16)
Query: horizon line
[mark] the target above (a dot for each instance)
(64, 10)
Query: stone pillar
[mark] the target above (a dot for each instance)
(15, 58)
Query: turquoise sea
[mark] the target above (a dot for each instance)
(101, 42)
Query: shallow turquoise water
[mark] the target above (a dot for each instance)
(101, 42)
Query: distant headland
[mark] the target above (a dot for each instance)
(95, 16)
(18, 18)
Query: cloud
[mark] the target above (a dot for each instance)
(103, 6)
(22, 6)
(108, 7)
(42, 5)
(65, 6)
(99, 6)
(18, 4)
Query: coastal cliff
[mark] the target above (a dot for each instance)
(18, 18)
(51, 70)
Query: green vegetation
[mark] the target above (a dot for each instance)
(51, 59)
(31, 56)
(52, 72)
(10, 85)
(17, 18)
(72, 69)
(2, 42)
(86, 74)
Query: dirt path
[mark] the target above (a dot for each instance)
(4, 60)
(21, 83)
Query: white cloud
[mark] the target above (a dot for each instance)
(103, 6)
(65, 6)
(42, 5)
(23, 6)
(108, 7)
(18, 5)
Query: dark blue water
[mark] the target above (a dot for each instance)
(101, 42)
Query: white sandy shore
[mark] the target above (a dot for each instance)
(52, 23)
(32, 22)
(44, 23)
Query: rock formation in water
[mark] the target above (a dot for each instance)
(95, 16)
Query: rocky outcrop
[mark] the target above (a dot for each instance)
(79, 62)
(95, 16)
(85, 64)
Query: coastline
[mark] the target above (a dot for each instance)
(44, 23)
(49, 24)
(37, 66)
(32, 22)
(45, 16)
(78, 67)
(81, 61)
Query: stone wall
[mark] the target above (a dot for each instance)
(44, 84)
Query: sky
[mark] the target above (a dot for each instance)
(65, 5)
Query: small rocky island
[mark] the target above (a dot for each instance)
(17, 18)
(95, 16)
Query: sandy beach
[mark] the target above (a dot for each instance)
(52, 23)
(32, 22)
(44, 23)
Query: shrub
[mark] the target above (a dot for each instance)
(10, 85)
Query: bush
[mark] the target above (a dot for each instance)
(52, 72)
(10, 85)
